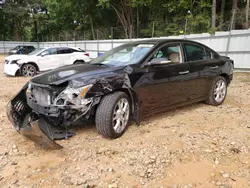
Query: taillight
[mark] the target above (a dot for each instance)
(87, 54)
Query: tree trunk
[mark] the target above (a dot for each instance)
(36, 32)
(124, 13)
(137, 22)
(247, 15)
(222, 10)
(16, 29)
(214, 14)
(122, 20)
(234, 7)
(92, 27)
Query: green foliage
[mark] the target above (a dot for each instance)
(78, 19)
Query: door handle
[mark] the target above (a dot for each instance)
(215, 67)
(184, 72)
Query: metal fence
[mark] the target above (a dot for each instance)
(235, 44)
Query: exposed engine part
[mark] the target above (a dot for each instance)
(71, 97)
(41, 96)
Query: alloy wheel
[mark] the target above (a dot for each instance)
(29, 70)
(220, 91)
(121, 115)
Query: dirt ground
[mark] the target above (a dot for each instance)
(194, 146)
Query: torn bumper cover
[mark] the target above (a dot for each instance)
(33, 126)
(11, 69)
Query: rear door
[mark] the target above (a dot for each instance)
(30, 49)
(64, 54)
(203, 67)
(25, 50)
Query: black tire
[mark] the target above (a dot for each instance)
(212, 96)
(28, 70)
(105, 113)
(79, 62)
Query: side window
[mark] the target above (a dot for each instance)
(24, 49)
(51, 51)
(65, 50)
(168, 53)
(195, 52)
(209, 54)
(158, 54)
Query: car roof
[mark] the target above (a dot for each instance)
(59, 47)
(24, 46)
(76, 48)
(165, 41)
(162, 41)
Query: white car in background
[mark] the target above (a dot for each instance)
(44, 59)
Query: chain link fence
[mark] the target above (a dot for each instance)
(154, 29)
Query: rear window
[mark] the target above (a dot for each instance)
(31, 47)
(77, 50)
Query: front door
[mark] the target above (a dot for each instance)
(165, 85)
(48, 59)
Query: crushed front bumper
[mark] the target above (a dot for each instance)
(11, 69)
(33, 126)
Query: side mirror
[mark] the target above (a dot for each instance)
(44, 54)
(159, 61)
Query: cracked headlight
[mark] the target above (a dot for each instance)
(73, 97)
(14, 62)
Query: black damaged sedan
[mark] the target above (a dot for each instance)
(126, 83)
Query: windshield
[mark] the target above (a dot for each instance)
(36, 51)
(124, 55)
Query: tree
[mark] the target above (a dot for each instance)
(69, 19)
(234, 9)
(222, 10)
(214, 14)
(88, 14)
(5, 28)
(16, 10)
(123, 11)
(247, 15)
(19, 14)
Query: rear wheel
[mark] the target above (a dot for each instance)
(218, 91)
(78, 62)
(113, 114)
(28, 70)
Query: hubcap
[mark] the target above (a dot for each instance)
(121, 115)
(28, 70)
(220, 91)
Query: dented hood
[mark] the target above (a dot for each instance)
(67, 73)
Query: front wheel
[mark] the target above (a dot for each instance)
(113, 114)
(218, 91)
(28, 70)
